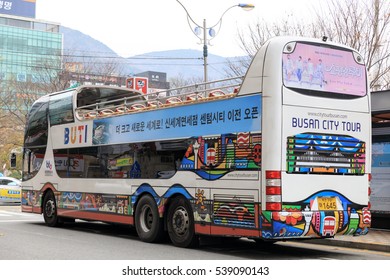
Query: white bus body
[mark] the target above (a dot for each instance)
(286, 154)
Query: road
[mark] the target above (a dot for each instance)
(24, 236)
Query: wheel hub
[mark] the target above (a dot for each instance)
(50, 208)
(146, 220)
(180, 221)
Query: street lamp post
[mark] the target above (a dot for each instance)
(210, 29)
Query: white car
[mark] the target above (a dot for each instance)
(10, 190)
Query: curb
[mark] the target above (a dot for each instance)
(351, 244)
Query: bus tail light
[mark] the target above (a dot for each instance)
(273, 190)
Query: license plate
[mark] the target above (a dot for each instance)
(327, 203)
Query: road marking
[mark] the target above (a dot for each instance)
(14, 221)
(24, 217)
(11, 213)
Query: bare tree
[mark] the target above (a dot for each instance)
(181, 81)
(73, 67)
(362, 25)
(49, 75)
(257, 34)
(12, 120)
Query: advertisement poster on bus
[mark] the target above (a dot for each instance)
(324, 69)
(239, 114)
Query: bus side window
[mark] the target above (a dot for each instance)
(32, 162)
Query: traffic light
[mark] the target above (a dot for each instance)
(13, 160)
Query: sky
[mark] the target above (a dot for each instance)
(131, 27)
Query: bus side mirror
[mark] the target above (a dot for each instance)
(13, 160)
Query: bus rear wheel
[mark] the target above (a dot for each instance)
(180, 223)
(149, 226)
(50, 210)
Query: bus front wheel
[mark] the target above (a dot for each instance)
(50, 210)
(149, 226)
(180, 224)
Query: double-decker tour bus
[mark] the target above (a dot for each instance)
(284, 154)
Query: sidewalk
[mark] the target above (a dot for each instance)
(376, 240)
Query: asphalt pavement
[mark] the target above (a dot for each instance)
(375, 239)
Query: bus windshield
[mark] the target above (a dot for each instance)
(323, 69)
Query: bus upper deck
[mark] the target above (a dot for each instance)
(92, 103)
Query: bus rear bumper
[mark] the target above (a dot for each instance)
(314, 224)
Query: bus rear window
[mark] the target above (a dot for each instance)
(329, 72)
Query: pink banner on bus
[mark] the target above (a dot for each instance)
(324, 69)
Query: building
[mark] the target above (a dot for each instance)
(380, 168)
(28, 48)
(77, 75)
(31, 53)
(156, 80)
(380, 107)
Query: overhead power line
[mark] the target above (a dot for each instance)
(67, 53)
(140, 57)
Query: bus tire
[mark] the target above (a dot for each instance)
(180, 224)
(50, 210)
(149, 226)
